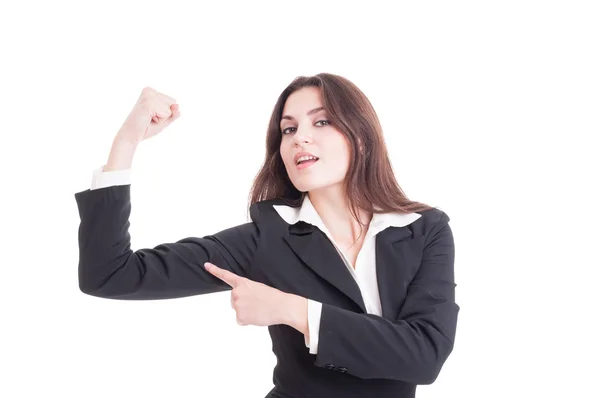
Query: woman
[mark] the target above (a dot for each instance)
(354, 280)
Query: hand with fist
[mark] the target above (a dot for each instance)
(261, 305)
(152, 112)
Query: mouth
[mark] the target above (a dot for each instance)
(303, 164)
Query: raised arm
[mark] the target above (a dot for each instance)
(108, 267)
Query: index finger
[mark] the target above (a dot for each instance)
(226, 276)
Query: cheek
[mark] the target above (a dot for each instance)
(284, 152)
(344, 161)
(342, 152)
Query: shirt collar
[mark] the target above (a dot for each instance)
(307, 213)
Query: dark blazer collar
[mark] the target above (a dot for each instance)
(307, 213)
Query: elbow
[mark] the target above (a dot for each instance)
(425, 374)
(437, 343)
(100, 289)
(90, 286)
(427, 357)
(98, 284)
(430, 370)
(428, 374)
(86, 281)
(110, 277)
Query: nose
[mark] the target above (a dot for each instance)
(302, 137)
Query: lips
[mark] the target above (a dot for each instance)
(300, 154)
(306, 164)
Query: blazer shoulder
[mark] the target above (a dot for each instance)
(432, 220)
(264, 211)
(434, 215)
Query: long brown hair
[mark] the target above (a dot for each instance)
(370, 180)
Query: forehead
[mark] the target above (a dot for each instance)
(301, 101)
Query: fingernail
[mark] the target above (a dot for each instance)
(207, 265)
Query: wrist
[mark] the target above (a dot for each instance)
(122, 139)
(121, 155)
(296, 312)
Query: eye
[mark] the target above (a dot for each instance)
(284, 130)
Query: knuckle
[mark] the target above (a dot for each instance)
(168, 100)
(147, 94)
(146, 101)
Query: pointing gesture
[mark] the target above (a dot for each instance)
(226, 276)
(258, 304)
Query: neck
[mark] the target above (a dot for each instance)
(333, 206)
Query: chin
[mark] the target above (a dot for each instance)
(307, 186)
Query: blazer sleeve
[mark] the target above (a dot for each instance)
(411, 348)
(109, 268)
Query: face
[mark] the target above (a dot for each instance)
(306, 131)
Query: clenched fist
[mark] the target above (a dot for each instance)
(152, 112)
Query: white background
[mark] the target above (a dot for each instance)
(489, 112)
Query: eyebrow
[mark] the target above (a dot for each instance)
(307, 114)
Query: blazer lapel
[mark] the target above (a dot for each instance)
(316, 251)
(398, 256)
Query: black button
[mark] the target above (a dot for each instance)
(330, 366)
(343, 370)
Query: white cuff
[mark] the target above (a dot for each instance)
(314, 321)
(102, 179)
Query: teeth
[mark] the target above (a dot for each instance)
(303, 158)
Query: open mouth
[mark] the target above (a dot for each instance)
(306, 163)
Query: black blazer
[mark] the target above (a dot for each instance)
(359, 354)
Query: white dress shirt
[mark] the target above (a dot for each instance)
(364, 272)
